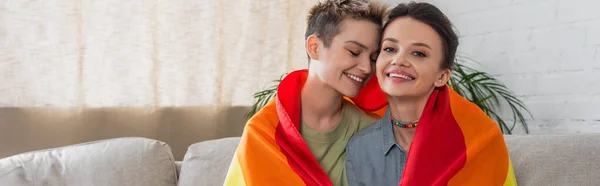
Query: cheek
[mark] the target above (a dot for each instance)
(335, 66)
(382, 62)
(339, 60)
(330, 60)
(428, 76)
(380, 66)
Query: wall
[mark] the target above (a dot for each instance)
(546, 51)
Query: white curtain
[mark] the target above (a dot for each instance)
(146, 53)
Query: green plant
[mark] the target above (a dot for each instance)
(263, 97)
(476, 86)
(487, 92)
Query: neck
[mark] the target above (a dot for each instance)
(407, 109)
(321, 105)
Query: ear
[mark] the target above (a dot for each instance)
(443, 78)
(312, 47)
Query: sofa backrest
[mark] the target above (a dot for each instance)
(33, 128)
(120, 161)
(572, 159)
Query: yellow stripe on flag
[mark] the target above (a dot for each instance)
(234, 175)
(511, 180)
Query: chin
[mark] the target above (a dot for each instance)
(395, 92)
(350, 93)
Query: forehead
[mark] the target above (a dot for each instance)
(408, 30)
(362, 31)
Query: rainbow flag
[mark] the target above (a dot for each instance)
(458, 145)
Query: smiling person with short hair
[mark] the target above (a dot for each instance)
(300, 138)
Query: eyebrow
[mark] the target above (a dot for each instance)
(415, 44)
(357, 43)
(390, 39)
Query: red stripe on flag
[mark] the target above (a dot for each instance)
(438, 148)
(287, 134)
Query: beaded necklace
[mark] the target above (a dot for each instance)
(404, 124)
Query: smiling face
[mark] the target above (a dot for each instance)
(347, 64)
(410, 61)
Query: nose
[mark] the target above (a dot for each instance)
(400, 60)
(365, 66)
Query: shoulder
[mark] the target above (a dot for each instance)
(361, 117)
(365, 136)
(266, 119)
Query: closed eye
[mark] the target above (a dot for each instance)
(419, 54)
(354, 54)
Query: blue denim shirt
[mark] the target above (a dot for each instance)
(373, 157)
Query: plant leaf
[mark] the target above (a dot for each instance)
(263, 97)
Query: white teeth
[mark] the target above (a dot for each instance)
(355, 78)
(400, 76)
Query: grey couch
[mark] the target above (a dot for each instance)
(537, 159)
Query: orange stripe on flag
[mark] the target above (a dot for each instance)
(487, 156)
(259, 156)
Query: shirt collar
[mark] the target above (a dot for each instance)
(387, 130)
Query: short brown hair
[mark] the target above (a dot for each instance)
(324, 18)
(432, 16)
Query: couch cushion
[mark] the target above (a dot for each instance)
(207, 162)
(120, 161)
(572, 159)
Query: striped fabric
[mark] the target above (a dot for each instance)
(458, 145)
